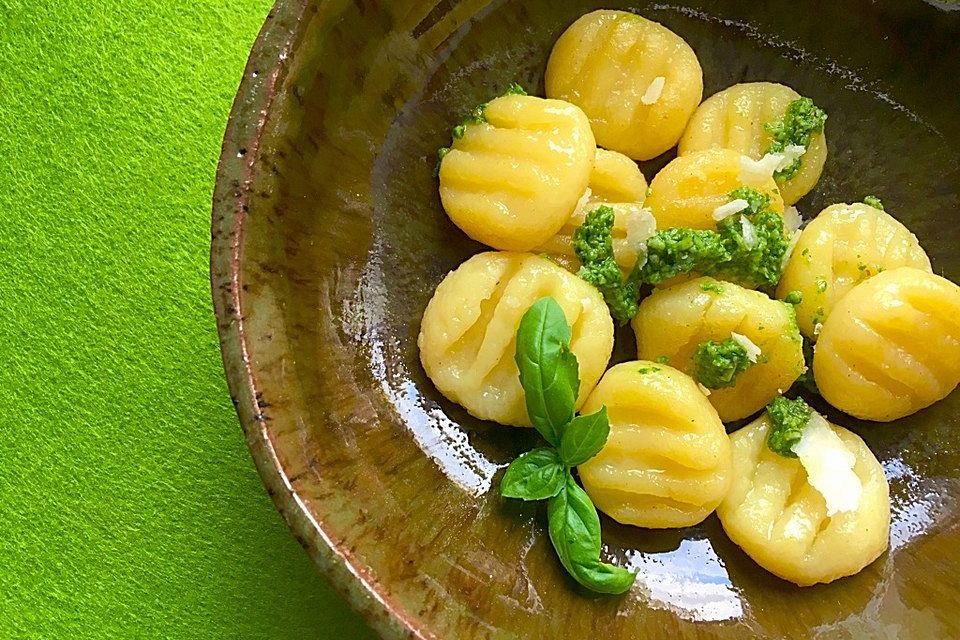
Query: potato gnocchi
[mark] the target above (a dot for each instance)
(468, 333)
(617, 182)
(737, 118)
(667, 459)
(637, 81)
(841, 247)
(525, 338)
(780, 520)
(687, 191)
(512, 181)
(672, 322)
(891, 346)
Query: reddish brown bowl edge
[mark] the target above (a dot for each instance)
(262, 79)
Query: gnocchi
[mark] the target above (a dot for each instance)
(672, 322)
(686, 192)
(891, 346)
(637, 81)
(512, 180)
(780, 520)
(617, 182)
(844, 245)
(468, 333)
(666, 462)
(736, 118)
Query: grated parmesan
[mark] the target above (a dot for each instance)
(753, 170)
(749, 232)
(753, 351)
(829, 466)
(791, 153)
(638, 224)
(792, 220)
(732, 207)
(653, 92)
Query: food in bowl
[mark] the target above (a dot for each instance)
(724, 285)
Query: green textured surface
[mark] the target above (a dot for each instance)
(129, 506)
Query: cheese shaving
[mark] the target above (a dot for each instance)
(705, 390)
(753, 351)
(792, 220)
(638, 224)
(752, 171)
(829, 466)
(732, 207)
(749, 232)
(791, 153)
(653, 92)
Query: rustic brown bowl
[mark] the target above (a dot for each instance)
(328, 240)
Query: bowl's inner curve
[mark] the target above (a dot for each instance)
(346, 241)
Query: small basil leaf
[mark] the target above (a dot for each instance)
(548, 369)
(535, 475)
(606, 578)
(575, 534)
(574, 526)
(584, 437)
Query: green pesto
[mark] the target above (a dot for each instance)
(514, 89)
(663, 359)
(788, 418)
(477, 116)
(761, 264)
(794, 297)
(441, 154)
(821, 285)
(756, 201)
(673, 252)
(805, 253)
(712, 287)
(593, 244)
(873, 201)
(649, 191)
(724, 252)
(802, 119)
(646, 370)
(818, 316)
(717, 364)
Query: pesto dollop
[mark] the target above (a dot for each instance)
(724, 252)
(788, 418)
(873, 201)
(802, 119)
(717, 364)
(593, 244)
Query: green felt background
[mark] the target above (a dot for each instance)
(129, 506)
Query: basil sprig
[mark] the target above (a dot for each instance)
(550, 376)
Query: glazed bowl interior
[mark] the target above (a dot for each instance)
(329, 239)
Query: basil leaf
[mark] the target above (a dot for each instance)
(536, 475)
(549, 372)
(575, 534)
(606, 578)
(574, 526)
(584, 437)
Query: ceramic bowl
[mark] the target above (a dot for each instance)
(329, 238)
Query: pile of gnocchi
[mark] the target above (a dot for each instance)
(739, 306)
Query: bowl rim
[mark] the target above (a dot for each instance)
(265, 70)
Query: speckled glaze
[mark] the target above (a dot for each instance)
(328, 239)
